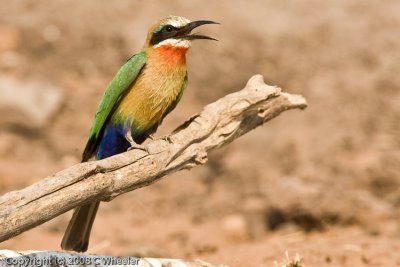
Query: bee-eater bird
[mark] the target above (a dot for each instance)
(144, 90)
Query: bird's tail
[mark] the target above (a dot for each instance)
(77, 235)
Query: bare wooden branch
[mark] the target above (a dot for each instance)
(55, 258)
(218, 124)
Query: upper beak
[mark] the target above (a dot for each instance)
(185, 31)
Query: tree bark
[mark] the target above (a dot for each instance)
(217, 125)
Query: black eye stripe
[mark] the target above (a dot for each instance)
(166, 32)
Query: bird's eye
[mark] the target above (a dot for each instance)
(169, 28)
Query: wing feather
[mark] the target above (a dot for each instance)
(116, 89)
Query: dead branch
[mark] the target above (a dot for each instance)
(218, 124)
(55, 258)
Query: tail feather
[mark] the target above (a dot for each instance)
(77, 235)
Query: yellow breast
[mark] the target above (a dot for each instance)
(156, 88)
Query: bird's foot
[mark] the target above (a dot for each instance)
(134, 145)
(140, 147)
(167, 138)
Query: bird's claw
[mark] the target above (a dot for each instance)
(167, 138)
(140, 147)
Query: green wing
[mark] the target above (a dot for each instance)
(116, 89)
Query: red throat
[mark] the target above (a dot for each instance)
(172, 54)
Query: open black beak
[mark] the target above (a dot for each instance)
(185, 31)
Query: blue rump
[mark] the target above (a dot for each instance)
(113, 141)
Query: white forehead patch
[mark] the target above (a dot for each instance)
(175, 42)
(177, 21)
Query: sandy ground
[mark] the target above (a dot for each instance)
(322, 183)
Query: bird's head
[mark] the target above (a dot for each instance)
(176, 32)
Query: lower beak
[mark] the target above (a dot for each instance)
(185, 31)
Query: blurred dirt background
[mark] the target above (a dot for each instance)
(323, 183)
